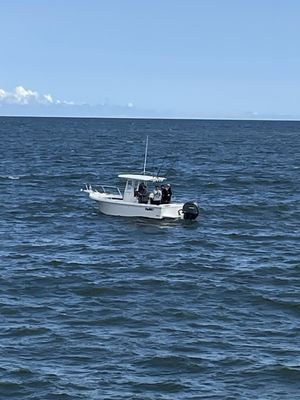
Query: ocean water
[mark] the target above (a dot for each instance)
(99, 307)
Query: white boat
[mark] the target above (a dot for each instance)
(128, 204)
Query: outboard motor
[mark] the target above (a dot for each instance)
(190, 210)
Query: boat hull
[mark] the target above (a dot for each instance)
(127, 209)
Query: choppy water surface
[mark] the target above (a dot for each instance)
(98, 307)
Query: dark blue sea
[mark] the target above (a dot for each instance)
(98, 307)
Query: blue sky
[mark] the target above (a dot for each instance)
(188, 58)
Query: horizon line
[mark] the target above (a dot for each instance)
(291, 119)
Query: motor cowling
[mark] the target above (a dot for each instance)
(190, 210)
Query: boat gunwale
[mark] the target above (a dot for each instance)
(129, 203)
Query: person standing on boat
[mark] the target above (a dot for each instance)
(169, 193)
(163, 194)
(157, 195)
(143, 194)
(166, 194)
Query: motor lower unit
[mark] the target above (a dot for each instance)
(190, 210)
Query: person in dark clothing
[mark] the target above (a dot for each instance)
(166, 194)
(143, 194)
(163, 194)
(169, 193)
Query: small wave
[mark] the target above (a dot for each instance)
(22, 372)
(168, 386)
(12, 177)
(289, 305)
(288, 373)
(6, 386)
(98, 291)
(26, 331)
(173, 362)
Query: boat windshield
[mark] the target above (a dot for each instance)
(112, 190)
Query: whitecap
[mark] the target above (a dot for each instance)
(9, 177)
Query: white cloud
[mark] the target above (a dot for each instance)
(48, 98)
(67, 103)
(24, 101)
(22, 96)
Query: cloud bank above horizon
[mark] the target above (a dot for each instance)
(22, 96)
(24, 101)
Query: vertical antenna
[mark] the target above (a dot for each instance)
(146, 151)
